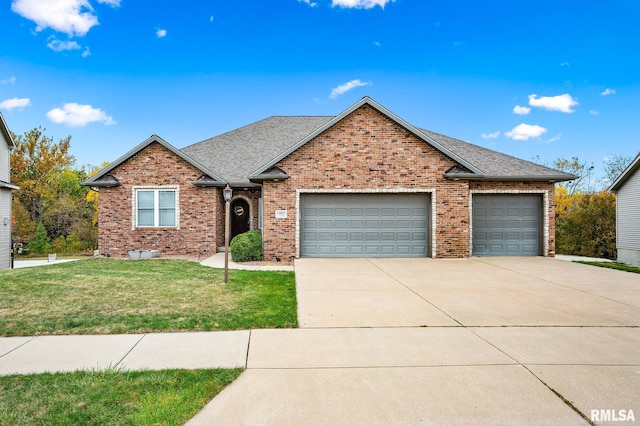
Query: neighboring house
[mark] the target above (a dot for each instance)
(627, 190)
(6, 145)
(364, 183)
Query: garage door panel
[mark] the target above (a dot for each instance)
(506, 224)
(373, 225)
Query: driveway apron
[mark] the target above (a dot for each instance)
(423, 341)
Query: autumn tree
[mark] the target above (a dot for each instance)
(585, 217)
(586, 224)
(35, 162)
(51, 193)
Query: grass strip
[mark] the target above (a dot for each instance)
(167, 397)
(613, 265)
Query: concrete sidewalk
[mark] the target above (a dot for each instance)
(29, 355)
(217, 261)
(39, 262)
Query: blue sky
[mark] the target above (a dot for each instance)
(527, 78)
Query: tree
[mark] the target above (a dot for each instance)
(586, 224)
(51, 194)
(581, 169)
(41, 241)
(614, 166)
(35, 162)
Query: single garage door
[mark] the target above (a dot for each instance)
(506, 224)
(364, 225)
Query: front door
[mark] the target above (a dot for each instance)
(239, 217)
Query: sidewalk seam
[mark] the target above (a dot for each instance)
(130, 350)
(246, 359)
(19, 346)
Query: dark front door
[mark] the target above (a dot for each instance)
(239, 217)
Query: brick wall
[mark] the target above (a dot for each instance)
(364, 151)
(367, 151)
(157, 166)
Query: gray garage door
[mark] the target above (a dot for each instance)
(364, 225)
(507, 225)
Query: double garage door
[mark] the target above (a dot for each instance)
(364, 225)
(398, 225)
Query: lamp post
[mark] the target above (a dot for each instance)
(227, 193)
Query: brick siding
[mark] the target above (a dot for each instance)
(199, 207)
(367, 151)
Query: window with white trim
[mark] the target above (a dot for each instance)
(156, 208)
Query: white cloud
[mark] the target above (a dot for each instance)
(377, 44)
(10, 80)
(73, 17)
(608, 92)
(521, 110)
(490, 135)
(594, 112)
(112, 3)
(60, 46)
(211, 18)
(553, 139)
(565, 64)
(14, 103)
(77, 115)
(86, 52)
(343, 88)
(309, 2)
(360, 4)
(562, 103)
(523, 132)
(161, 33)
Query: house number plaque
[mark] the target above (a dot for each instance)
(281, 214)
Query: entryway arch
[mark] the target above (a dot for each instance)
(240, 216)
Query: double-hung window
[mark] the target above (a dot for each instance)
(156, 208)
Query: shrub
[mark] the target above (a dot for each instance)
(246, 247)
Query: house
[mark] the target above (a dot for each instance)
(364, 183)
(627, 190)
(6, 145)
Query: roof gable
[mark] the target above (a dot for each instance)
(626, 174)
(4, 129)
(103, 178)
(335, 120)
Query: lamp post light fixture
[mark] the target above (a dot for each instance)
(227, 193)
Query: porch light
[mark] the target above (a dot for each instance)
(227, 193)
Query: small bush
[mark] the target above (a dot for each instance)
(246, 247)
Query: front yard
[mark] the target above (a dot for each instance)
(106, 296)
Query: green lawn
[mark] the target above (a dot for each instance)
(103, 296)
(168, 397)
(614, 265)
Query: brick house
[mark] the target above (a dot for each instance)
(364, 183)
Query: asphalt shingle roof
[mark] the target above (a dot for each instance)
(235, 155)
(496, 165)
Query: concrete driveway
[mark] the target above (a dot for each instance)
(422, 341)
